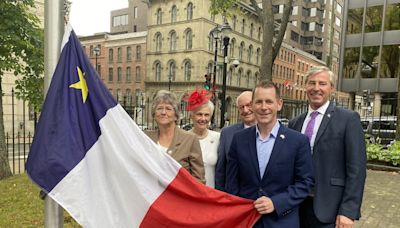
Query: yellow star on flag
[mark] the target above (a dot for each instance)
(81, 85)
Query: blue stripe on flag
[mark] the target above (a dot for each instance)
(68, 127)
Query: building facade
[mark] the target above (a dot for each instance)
(121, 64)
(315, 27)
(370, 56)
(180, 52)
(131, 19)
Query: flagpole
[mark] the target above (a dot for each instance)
(54, 30)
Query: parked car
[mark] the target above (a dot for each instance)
(382, 128)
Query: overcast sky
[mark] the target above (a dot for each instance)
(92, 16)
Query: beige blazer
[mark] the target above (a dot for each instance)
(185, 149)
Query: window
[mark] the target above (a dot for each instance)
(135, 12)
(239, 77)
(159, 16)
(134, 28)
(188, 39)
(120, 20)
(138, 77)
(210, 43)
(243, 24)
(337, 21)
(119, 96)
(91, 51)
(158, 71)
(128, 98)
(187, 70)
(189, 11)
(128, 53)
(258, 55)
(338, 8)
(230, 76)
(119, 52)
(119, 74)
(234, 23)
(158, 42)
(248, 79)
(171, 73)
(172, 41)
(110, 74)
(241, 48)
(138, 53)
(232, 47)
(249, 53)
(128, 74)
(295, 10)
(251, 30)
(110, 55)
(173, 14)
(259, 33)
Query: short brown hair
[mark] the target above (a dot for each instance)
(266, 85)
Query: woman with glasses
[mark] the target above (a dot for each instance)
(183, 146)
(201, 110)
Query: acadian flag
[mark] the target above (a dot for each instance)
(93, 160)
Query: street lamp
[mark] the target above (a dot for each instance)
(225, 30)
(215, 35)
(96, 51)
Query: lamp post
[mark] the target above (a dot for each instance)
(215, 35)
(96, 51)
(225, 29)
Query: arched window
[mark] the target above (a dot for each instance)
(158, 42)
(230, 76)
(110, 74)
(239, 78)
(158, 71)
(173, 14)
(128, 74)
(210, 43)
(250, 53)
(248, 79)
(128, 97)
(172, 41)
(241, 48)
(259, 33)
(187, 70)
(138, 53)
(128, 54)
(234, 23)
(251, 30)
(119, 54)
(210, 68)
(243, 24)
(138, 74)
(256, 78)
(258, 55)
(110, 55)
(159, 16)
(171, 73)
(119, 96)
(119, 74)
(232, 48)
(190, 11)
(188, 36)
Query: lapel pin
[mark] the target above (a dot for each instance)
(329, 115)
(282, 136)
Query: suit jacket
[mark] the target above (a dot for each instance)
(185, 149)
(287, 180)
(225, 140)
(339, 159)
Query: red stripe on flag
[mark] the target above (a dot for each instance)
(188, 203)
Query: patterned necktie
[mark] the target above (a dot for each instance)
(310, 125)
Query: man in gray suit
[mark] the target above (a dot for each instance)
(339, 157)
(243, 102)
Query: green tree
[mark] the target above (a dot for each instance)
(21, 52)
(271, 42)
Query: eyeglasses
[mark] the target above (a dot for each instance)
(167, 109)
(241, 107)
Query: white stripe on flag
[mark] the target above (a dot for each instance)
(120, 177)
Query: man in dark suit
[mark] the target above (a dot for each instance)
(270, 163)
(243, 102)
(338, 146)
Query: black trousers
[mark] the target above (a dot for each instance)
(308, 218)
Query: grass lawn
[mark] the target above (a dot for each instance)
(20, 205)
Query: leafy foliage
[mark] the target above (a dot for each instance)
(390, 154)
(21, 49)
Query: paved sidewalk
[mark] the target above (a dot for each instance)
(381, 204)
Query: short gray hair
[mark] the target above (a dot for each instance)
(208, 104)
(243, 94)
(169, 98)
(319, 69)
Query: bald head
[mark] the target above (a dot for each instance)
(244, 104)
